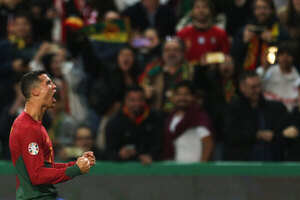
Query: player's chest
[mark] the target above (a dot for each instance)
(204, 40)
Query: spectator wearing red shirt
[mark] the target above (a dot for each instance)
(203, 36)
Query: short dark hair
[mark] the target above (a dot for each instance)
(187, 84)
(23, 14)
(86, 126)
(28, 81)
(133, 88)
(270, 3)
(177, 39)
(286, 47)
(209, 3)
(247, 74)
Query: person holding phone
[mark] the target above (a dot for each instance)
(252, 42)
(203, 36)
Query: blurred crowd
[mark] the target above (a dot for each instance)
(150, 80)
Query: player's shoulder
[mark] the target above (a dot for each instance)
(185, 30)
(24, 123)
(218, 29)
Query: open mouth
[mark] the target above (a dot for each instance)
(53, 96)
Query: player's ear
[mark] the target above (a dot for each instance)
(35, 92)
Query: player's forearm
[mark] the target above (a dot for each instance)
(62, 165)
(45, 176)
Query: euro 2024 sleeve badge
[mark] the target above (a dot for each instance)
(33, 148)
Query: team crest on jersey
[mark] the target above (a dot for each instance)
(33, 148)
(201, 40)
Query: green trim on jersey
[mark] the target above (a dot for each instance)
(73, 171)
(28, 191)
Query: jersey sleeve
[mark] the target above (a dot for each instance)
(34, 161)
(202, 132)
(62, 165)
(225, 42)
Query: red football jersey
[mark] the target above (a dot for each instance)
(32, 155)
(198, 42)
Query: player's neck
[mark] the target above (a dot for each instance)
(202, 25)
(36, 112)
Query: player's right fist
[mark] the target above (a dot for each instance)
(83, 164)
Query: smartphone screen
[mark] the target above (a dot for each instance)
(140, 42)
(215, 58)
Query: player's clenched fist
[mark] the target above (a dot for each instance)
(83, 164)
(90, 156)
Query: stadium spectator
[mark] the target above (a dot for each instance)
(148, 47)
(291, 20)
(238, 14)
(109, 89)
(203, 36)
(8, 8)
(280, 81)
(251, 123)
(67, 75)
(150, 13)
(188, 134)
(7, 117)
(15, 54)
(160, 78)
(83, 141)
(84, 138)
(219, 84)
(107, 93)
(42, 16)
(135, 132)
(251, 43)
(289, 140)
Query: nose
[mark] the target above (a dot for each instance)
(54, 86)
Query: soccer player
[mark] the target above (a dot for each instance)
(31, 148)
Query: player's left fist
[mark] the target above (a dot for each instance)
(90, 156)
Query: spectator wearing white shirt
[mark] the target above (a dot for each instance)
(188, 135)
(280, 81)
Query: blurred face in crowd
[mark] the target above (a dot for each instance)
(152, 36)
(36, 11)
(57, 60)
(111, 15)
(251, 88)
(201, 12)
(55, 65)
(285, 60)
(84, 139)
(11, 3)
(125, 59)
(183, 98)
(296, 4)
(22, 27)
(135, 102)
(150, 4)
(227, 68)
(262, 11)
(173, 53)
